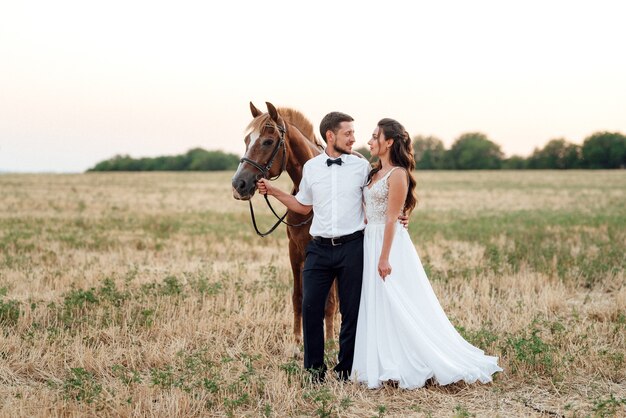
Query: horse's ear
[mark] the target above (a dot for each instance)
(255, 112)
(272, 111)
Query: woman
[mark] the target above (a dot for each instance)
(403, 334)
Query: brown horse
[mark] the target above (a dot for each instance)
(283, 139)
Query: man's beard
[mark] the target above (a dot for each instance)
(342, 150)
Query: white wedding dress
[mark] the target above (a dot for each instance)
(402, 332)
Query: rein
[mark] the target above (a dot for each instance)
(264, 173)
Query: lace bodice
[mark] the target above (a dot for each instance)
(376, 200)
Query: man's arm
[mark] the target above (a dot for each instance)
(285, 198)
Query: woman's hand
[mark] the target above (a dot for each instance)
(384, 268)
(404, 220)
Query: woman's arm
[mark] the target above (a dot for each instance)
(398, 187)
(363, 208)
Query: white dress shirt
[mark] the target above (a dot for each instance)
(336, 194)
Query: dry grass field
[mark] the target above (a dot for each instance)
(149, 294)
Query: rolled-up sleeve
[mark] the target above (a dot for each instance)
(304, 195)
(366, 171)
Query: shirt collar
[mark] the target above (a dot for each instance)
(343, 157)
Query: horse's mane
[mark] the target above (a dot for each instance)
(292, 117)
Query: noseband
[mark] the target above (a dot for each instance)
(265, 171)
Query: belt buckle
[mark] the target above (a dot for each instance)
(332, 241)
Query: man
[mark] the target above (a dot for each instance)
(332, 186)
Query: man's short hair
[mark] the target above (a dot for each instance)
(332, 121)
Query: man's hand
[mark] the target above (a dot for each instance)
(265, 187)
(404, 220)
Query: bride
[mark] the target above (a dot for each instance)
(403, 334)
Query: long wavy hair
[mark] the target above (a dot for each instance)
(401, 155)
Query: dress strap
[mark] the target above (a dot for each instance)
(390, 171)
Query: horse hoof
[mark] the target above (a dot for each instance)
(295, 351)
(331, 343)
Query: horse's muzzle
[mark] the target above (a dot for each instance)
(243, 189)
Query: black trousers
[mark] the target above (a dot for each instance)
(322, 264)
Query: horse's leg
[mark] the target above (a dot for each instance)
(297, 263)
(332, 304)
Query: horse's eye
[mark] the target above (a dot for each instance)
(268, 142)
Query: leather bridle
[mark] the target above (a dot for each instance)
(264, 173)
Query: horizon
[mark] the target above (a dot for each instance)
(356, 148)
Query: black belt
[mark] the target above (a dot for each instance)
(338, 240)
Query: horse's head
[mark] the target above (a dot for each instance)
(265, 154)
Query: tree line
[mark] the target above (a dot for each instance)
(471, 151)
(196, 159)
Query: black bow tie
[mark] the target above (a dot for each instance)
(330, 162)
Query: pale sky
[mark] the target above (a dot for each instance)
(81, 81)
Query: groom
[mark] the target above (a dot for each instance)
(332, 186)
